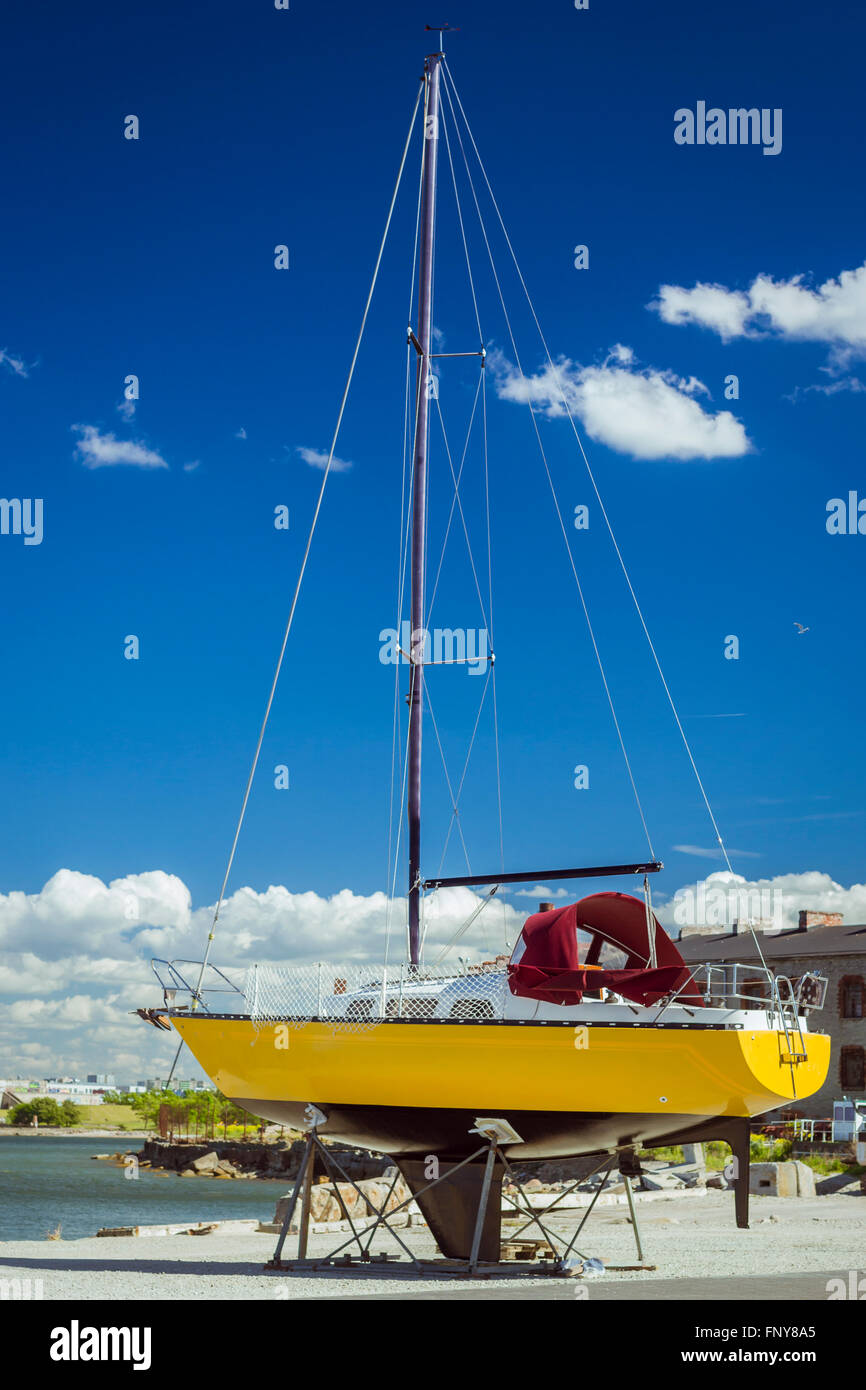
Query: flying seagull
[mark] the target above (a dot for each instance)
(800, 629)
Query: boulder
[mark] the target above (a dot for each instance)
(805, 1179)
(781, 1180)
(692, 1177)
(325, 1205)
(662, 1180)
(377, 1191)
(206, 1164)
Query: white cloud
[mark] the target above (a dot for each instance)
(316, 458)
(91, 941)
(79, 928)
(77, 912)
(22, 972)
(781, 897)
(126, 409)
(833, 313)
(542, 893)
(15, 364)
(241, 433)
(191, 467)
(726, 312)
(76, 1009)
(103, 450)
(830, 388)
(700, 853)
(646, 413)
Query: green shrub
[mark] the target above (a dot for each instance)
(763, 1150)
(47, 1111)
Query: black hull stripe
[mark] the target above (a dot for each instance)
(362, 1023)
(399, 1129)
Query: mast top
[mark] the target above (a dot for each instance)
(440, 29)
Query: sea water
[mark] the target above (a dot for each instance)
(48, 1181)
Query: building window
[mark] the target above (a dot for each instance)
(852, 996)
(852, 1069)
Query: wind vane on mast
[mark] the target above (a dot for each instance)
(440, 29)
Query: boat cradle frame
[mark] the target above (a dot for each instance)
(563, 1264)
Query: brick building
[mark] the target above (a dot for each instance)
(824, 944)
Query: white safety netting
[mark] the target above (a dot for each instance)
(355, 997)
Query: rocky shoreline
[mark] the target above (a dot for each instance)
(237, 1159)
(281, 1159)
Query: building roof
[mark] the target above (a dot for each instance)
(842, 940)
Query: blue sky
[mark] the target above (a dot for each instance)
(156, 257)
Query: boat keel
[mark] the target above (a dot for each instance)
(451, 1206)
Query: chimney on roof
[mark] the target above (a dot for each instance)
(545, 907)
(818, 919)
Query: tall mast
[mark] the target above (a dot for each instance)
(424, 387)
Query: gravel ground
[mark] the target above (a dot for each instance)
(685, 1238)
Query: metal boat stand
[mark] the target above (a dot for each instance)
(566, 1260)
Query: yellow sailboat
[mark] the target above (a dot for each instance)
(415, 1085)
(592, 1036)
(575, 1058)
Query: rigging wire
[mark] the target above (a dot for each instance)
(455, 499)
(542, 451)
(505, 934)
(425, 376)
(461, 931)
(457, 502)
(393, 880)
(465, 769)
(393, 849)
(450, 84)
(471, 279)
(296, 595)
(456, 478)
(456, 481)
(444, 125)
(486, 617)
(402, 569)
(490, 611)
(455, 811)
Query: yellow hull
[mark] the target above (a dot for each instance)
(646, 1078)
